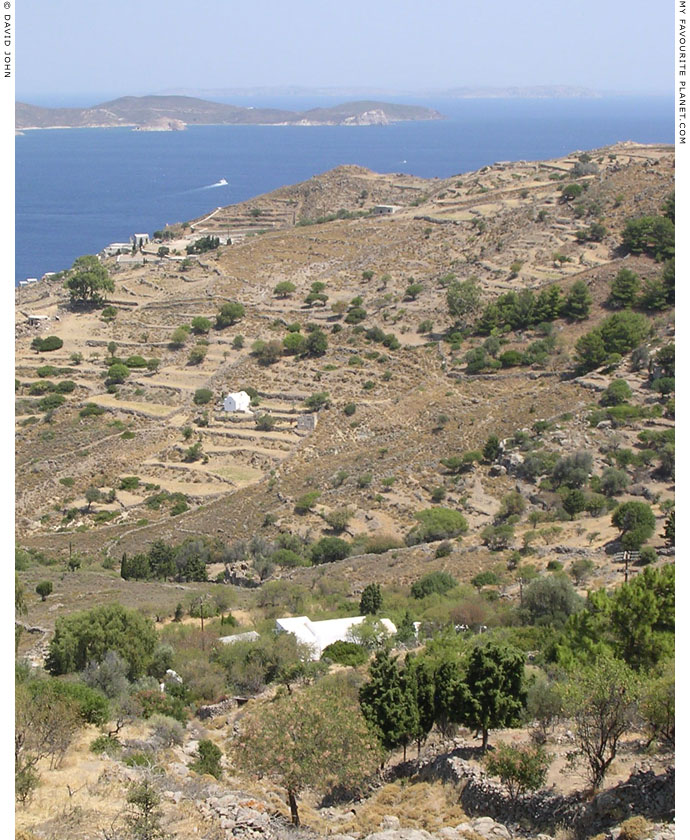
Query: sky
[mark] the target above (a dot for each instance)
(76, 49)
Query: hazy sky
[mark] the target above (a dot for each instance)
(137, 46)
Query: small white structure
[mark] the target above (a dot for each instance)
(249, 636)
(319, 634)
(238, 401)
(34, 320)
(385, 209)
(116, 248)
(140, 239)
(32, 279)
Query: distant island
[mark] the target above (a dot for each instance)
(169, 113)
(466, 92)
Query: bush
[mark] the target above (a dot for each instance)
(103, 744)
(208, 759)
(484, 579)
(136, 362)
(91, 410)
(306, 502)
(91, 705)
(436, 523)
(434, 582)
(349, 409)
(550, 600)
(329, 549)
(319, 400)
(200, 325)
(166, 730)
(88, 635)
(46, 345)
(117, 373)
(230, 313)
(613, 481)
(197, 354)
(50, 402)
(571, 192)
(519, 767)
(203, 396)
(65, 387)
(265, 423)
(511, 358)
(346, 653)
(617, 393)
(294, 343)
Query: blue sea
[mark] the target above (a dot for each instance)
(79, 189)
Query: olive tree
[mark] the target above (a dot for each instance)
(316, 739)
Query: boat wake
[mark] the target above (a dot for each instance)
(221, 183)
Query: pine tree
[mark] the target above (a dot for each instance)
(624, 288)
(578, 302)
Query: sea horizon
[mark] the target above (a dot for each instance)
(78, 189)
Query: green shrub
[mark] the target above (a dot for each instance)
(136, 362)
(230, 313)
(436, 523)
(434, 582)
(203, 396)
(307, 501)
(46, 345)
(329, 550)
(50, 402)
(103, 744)
(208, 759)
(346, 653)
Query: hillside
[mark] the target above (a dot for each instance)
(467, 376)
(143, 110)
(479, 224)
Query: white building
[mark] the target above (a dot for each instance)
(116, 248)
(140, 239)
(319, 634)
(385, 209)
(238, 401)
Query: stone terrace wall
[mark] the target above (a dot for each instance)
(643, 793)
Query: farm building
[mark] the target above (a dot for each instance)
(319, 634)
(238, 401)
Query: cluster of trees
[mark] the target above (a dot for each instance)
(633, 622)
(525, 310)
(313, 344)
(203, 244)
(618, 334)
(484, 690)
(652, 235)
(658, 292)
(163, 562)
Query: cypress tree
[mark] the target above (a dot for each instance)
(493, 688)
(384, 704)
(371, 600)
